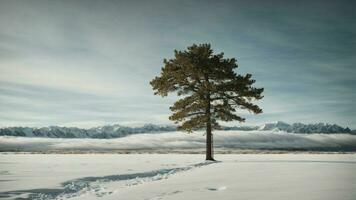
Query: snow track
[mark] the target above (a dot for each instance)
(177, 177)
(77, 187)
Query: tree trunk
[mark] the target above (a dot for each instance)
(209, 146)
(209, 142)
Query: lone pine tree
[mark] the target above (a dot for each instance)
(209, 88)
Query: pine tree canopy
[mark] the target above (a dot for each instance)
(209, 87)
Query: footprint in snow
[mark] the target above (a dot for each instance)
(216, 188)
(160, 196)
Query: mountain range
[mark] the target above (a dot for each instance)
(297, 128)
(116, 131)
(108, 131)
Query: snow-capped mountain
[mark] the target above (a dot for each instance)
(279, 125)
(304, 128)
(108, 131)
(116, 131)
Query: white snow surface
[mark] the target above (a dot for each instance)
(180, 140)
(177, 176)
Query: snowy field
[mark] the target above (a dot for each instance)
(177, 176)
(255, 140)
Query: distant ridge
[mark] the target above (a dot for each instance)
(108, 131)
(298, 128)
(117, 131)
(306, 128)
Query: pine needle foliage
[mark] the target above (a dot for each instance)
(209, 88)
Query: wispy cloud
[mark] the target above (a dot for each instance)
(86, 61)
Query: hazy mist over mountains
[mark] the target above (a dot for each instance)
(117, 131)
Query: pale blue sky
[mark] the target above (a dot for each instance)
(88, 63)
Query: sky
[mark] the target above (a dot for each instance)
(89, 63)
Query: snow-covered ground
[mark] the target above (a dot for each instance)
(178, 140)
(177, 176)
